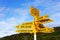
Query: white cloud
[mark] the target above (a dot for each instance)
(55, 14)
(2, 15)
(2, 12)
(53, 9)
(23, 12)
(56, 20)
(2, 9)
(7, 27)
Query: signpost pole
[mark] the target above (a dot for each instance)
(34, 36)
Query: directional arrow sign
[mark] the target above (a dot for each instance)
(45, 21)
(42, 17)
(34, 11)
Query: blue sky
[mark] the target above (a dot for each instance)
(14, 12)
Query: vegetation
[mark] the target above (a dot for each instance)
(40, 36)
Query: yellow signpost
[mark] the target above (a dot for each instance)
(36, 25)
(25, 27)
(34, 12)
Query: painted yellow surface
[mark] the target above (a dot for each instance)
(27, 27)
(34, 12)
(37, 24)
